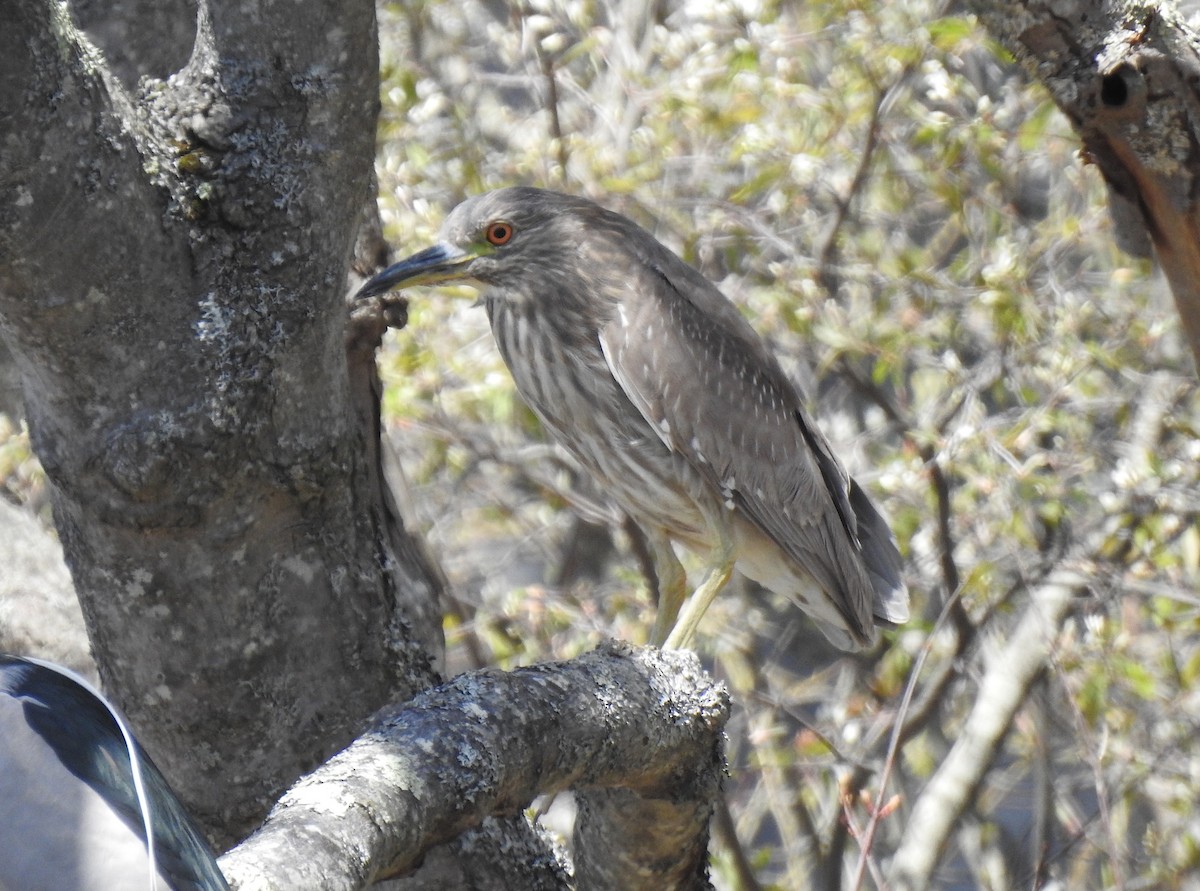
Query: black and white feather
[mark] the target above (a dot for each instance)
(82, 808)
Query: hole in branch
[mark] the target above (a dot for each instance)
(1114, 92)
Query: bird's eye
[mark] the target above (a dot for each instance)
(499, 233)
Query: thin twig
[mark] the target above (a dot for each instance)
(889, 761)
(863, 837)
(726, 832)
(1043, 804)
(556, 130)
(827, 253)
(1005, 684)
(545, 64)
(1115, 846)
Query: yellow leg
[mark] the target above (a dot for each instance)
(720, 568)
(672, 587)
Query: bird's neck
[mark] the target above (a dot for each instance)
(569, 315)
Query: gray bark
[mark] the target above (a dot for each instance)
(1127, 75)
(641, 725)
(172, 271)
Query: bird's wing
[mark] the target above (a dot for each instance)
(92, 741)
(701, 377)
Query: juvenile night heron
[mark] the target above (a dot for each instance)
(80, 798)
(654, 381)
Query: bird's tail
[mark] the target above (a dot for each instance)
(881, 557)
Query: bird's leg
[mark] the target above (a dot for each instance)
(720, 568)
(672, 586)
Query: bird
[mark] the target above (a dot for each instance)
(644, 371)
(84, 808)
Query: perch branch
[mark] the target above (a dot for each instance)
(643, 725)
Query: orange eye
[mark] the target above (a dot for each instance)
(499, 233)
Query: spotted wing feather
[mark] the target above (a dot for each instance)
(700, 375)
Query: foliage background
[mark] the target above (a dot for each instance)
(912, 227)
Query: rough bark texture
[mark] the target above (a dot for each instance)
(172, 272)
(500, 854)
(1127, 74)
(645, 843)
(642, 724)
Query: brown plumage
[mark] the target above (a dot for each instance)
(656, 383)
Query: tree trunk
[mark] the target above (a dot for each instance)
(173, 265)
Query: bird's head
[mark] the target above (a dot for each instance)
(517, 239)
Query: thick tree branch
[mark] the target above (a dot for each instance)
(1127, 75)
(500, 854)
(643, 724)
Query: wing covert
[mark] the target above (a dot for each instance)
(712, 393)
